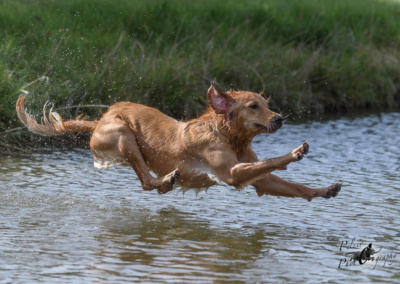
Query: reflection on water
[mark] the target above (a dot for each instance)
(62, 220)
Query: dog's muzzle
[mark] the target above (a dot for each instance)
(278, 121)
(274, 125)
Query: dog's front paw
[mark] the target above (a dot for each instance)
(300, 151)
(333, 190)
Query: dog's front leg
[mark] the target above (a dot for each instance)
(274, 185)
(244, 174)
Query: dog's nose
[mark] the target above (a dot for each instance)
(278, 118)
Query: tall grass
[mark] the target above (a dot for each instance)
(310, 56)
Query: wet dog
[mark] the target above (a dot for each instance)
(199, 153)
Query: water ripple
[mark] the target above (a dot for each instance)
(65, 221)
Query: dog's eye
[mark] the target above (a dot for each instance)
(254, 106)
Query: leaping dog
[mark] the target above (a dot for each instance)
(199, 153)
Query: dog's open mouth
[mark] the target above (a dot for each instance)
(270, 127)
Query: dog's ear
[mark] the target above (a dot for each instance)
(220, 102)
(264, 96)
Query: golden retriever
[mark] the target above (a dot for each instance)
(199, 153)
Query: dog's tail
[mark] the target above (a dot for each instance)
(55, 125)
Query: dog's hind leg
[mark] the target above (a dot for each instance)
(120, 139)
(130, 149)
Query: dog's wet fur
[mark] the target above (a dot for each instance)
(199, 153)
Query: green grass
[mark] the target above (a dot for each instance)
(310, 56)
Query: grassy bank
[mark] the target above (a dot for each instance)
(310, 56)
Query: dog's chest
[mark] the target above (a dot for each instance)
(198, 175)
(206, 172)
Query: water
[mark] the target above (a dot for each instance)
(64, 221)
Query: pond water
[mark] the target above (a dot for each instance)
(64, 221)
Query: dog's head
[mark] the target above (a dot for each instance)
(249, 110)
